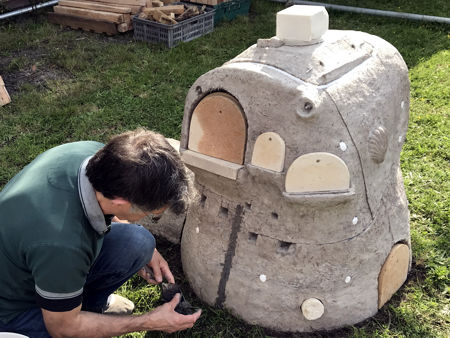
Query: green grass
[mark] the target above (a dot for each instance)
(89, 86)
(434, 7)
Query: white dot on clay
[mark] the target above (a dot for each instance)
(355, 220)
(400, 138)
(402, 104)
(343, 146)
(348, 279)
(262, 278)
(197, 230)
(312, 309)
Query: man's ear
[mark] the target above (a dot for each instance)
(119, 201)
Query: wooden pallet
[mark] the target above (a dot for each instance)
(4, 96)
(106, 16)
(85, 24)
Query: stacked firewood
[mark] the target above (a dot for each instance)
(113, 16)
(171, 14)
(101, 16)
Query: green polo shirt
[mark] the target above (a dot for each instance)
(48, 241)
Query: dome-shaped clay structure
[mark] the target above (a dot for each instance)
(301, 241)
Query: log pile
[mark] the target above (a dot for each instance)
(171, 14)
(115, 16)
(100, 16)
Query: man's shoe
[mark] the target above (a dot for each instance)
(118, 305)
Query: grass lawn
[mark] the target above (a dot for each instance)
(70, 85)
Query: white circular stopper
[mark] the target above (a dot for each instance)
(348, 279)
(355, 220)
(197, 230)
(312, 309)
(343, 146)
(262, 278)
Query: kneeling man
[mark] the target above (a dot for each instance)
(64, 249)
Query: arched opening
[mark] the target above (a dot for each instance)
(316, 172)
(218, 128)
(269, 152)
(393, 273)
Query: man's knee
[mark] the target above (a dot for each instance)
(145, 243)
(136, 243)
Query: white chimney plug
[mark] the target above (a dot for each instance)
(302, 25)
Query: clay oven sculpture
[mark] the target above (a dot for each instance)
(295, 144)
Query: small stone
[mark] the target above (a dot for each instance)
(262, 278)
(343, 146)
(355, 220)
(197, 230)
(348, 279)
(269, 43)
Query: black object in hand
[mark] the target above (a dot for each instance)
(168, 291)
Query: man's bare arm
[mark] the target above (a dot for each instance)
(77, 323)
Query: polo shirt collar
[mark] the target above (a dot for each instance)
(89, 201)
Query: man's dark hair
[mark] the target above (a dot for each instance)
(141, 167)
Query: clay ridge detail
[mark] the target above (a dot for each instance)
(357, 153)
(235, 229)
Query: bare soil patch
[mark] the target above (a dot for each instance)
(29, 66)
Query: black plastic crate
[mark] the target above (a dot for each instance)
(171, 35)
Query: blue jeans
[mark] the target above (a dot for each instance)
(126, 249)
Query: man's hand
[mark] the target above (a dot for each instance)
(156, 269)
(76, 323)
(116, 219)
(164, 318)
